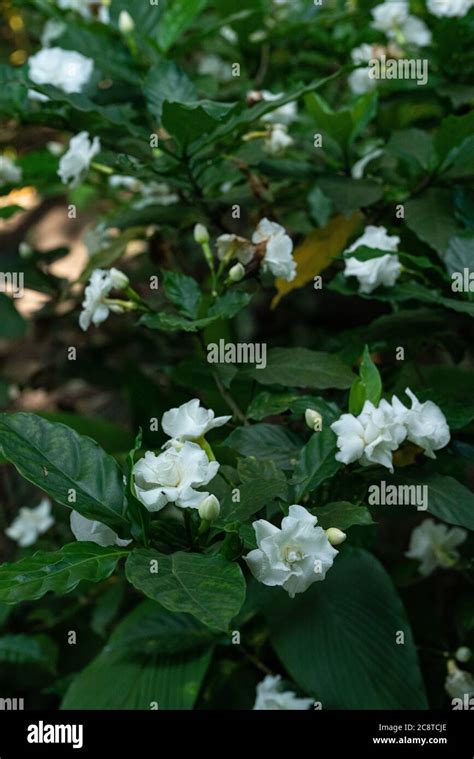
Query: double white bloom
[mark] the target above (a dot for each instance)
(31, 523)
(373, 436)
(278, 249)
(76, 161)
(95, 306)
(67, 70)
(171, 476)
(383, 270)
(271, 697)
(393, 18)
(434, 545)
(294, 556)
(191, 421)
(450, 8)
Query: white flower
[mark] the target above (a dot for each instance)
(416, 32)
(277, 140)
(191, 421)
(118, 182)
(285, 114)
(66, 69)
(383, 270)
(233, 246)
(9, 173)
(442, 8)
(271, 697)
(76, 161)
(31, 523)
(95, 306)
(458, 683)
(359, 80)
(425, 424)
(294, 556)
(155, 194)
(278, 256)
(126, 24)
(171, 476)
(91, 531)
(370, 437)
(390, 15)
(377, 238)
(51, 31)
(434, 545)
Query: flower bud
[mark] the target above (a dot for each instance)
(314, 420)
(237, 272)
(210, 508)
(126, 23)
(463, 654)
(25, 250)
(119, 279)
(201, 235)
(335, 536)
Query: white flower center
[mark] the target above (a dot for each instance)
(292, 554)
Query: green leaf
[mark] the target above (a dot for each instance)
(8, 211)
(266, 441)
(208, 587)
(431, 217)
(449, 139)
(414, 146)
(320, 206)
(316, 462)
(166, 81)
(460, 252)
(28, 649)
(60, 571)
(347, 194)
(447, 498)
(225, 307)
(367, 386)
(111, 437)
(59, 461)
(228, 305)
(150, 628)
(116, 680)
(354, 617)
(269, 404)
(261, 483)
(188, 122)
(300, 367)
(179, 15)
(342, 514)
(139, 516)
(12, 324)
(184, 292)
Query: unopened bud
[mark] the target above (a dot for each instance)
(201, 235)
(314, 420)
(119, 279)
(237, 272)
(463, 654)
(335, 536)
(126, 23)
(210, 508)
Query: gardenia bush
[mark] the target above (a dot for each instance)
(288, 525)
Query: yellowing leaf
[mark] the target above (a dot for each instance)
(317, 251)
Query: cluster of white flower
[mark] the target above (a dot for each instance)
(434, 545)
(96, 304)
(378, 431)
(270, 237)
(31, 523)
(170, 477)
(270, 697)
(293, 556)
(381, 270)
